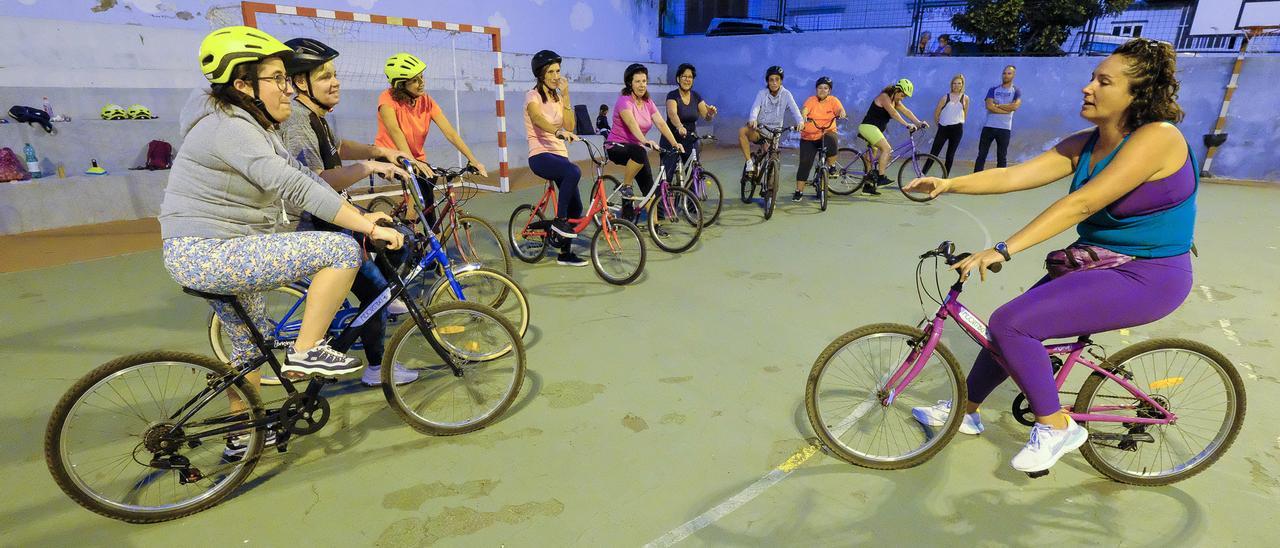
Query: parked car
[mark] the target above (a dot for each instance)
(731, 26)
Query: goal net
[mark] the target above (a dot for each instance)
(463, 75)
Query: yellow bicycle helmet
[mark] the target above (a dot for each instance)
(114, 112)
(139, 112)
(224, 49)
(906, 86)
(403, 66)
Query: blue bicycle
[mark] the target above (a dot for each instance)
(467, 282)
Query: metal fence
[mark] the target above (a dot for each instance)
(933, 29)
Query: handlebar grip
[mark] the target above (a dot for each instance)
(994, 268)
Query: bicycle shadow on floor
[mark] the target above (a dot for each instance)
(741, 215)
(577, 290)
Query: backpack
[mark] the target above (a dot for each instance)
(12, 168)
(159, 155)
(30, 115)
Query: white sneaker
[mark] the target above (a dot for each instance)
(373, 375)
(1047, 445)
(751, 166)
(936, 415)
(397, 307)
(321, 360)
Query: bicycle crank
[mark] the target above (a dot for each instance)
(304, 414)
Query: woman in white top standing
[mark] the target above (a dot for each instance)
(950, 114)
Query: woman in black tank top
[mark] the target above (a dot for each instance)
(887, 105)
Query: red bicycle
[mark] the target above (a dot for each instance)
(617, 250)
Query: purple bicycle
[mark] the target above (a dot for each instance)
(1157, 412)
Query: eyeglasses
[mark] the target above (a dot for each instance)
(686, 77)
(282, 81)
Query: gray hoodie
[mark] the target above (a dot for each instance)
(230, 174)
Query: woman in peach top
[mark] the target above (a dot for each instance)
(549, 122)
(405, 113)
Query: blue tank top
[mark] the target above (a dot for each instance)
(1166, 232)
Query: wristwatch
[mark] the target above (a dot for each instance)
(1003, 249)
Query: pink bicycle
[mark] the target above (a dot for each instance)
(1157, 412)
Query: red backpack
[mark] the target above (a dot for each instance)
(159, 155)
(11, 167)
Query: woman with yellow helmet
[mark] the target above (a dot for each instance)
(888, 104)
(406, 111)
(223, 203)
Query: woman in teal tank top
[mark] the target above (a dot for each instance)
(1132, 202)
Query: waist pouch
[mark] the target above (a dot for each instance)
(1082, 257)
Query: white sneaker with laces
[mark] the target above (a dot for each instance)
(322, 360)
(936, 415)
(1047, 445)
(751, 166)
(373, 375)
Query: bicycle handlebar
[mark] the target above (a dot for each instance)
(947, 250)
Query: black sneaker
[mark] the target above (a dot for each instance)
(562, 227)
(883, 181)
(870, 188)
(797, 196)
(569, 259)
(321, 360)
(239, 443)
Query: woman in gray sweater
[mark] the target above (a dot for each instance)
(224, 200)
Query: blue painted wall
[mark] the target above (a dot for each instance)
(862, 62)
(574, 27)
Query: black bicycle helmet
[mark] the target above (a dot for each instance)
(823, 80)
(542, 59)
(309, 54)
(772, 71)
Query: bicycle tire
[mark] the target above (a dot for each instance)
(526, 244)
(508, 300)
(477, 323)
(822, 188)
(1235, 407)
(68, 474)
(770, 194)
(470, 235)
(383, 204)
(712, 199)
(630, 238)
(748, 188)
(907, 171)
(814, 389)
(852, 166)
(221, 346)
(683, 224)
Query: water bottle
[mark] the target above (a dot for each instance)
(48, 109)
(33, 163)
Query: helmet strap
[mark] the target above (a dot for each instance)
(261, 105)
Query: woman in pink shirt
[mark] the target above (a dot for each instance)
(634, 114)
(548, 127)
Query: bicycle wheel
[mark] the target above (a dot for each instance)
(710, 197)
(618, 254)
(527, 244)
(748, 188)
(488, 287)
(915, 167)
(383, 204)
(851, 168)
(474, 240)
(279, 302)
(675, 223)
(845, 391)
(770, 189)
(489, 358)
(1189, 379)
(111, 446)
(823, 187)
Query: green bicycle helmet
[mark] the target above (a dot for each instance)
(403, 66)
(139, 112)
(223, 49)
(114, 112)
(906, 86)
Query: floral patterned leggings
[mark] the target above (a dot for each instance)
(250, 265)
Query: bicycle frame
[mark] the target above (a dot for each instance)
(977, 330)
(598, 206)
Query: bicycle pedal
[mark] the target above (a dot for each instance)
(1038, 474)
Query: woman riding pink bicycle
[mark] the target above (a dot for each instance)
(1133, 203)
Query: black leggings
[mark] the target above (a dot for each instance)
(621, 153)
(809, 150)
(950, 136)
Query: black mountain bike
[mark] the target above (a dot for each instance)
(765, 177)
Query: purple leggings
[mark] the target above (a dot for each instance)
(1079, 303)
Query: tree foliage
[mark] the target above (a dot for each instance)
(1030, 26)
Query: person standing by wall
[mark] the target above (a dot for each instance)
(1002, 101)
(950, 114)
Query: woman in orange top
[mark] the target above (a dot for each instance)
(820, 110)
(405, 113)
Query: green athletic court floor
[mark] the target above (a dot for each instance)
(649, 405)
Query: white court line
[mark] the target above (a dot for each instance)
(1230, 333)
(985, 233)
